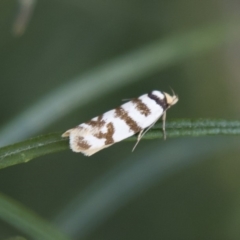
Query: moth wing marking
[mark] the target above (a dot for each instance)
(77, 145)
(81, 131)
(90, 152)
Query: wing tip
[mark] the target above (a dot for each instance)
(67, 133)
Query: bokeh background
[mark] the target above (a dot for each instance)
(63, 62)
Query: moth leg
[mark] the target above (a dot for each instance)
(142, 132)
(164, 125)
(138, 139)
(140, 135)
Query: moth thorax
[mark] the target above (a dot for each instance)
(159, 99)
(158, 94)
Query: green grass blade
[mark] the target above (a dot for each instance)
(115, 74)
(132, 177)
(27, 150)
(196, 128)
(27, 221)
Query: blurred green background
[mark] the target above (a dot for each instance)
(184, 188)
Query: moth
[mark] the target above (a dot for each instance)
(135, 116)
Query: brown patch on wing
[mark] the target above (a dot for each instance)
(82, 144)
(141, 107)
(161, 102)
(122, 114)
(96, 123)
(108, 135)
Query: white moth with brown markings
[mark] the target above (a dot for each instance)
(137, 115)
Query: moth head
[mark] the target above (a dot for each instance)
(163, 99)
(171, 100)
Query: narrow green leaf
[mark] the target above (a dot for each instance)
(27, 150)
(195, 128)
(27, 221)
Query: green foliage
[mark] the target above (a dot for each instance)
(62, 57)
(25, 151)
(27, 221)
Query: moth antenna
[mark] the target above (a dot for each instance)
(174, 94)
(172, 91)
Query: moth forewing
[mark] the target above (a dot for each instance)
(135, 116)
